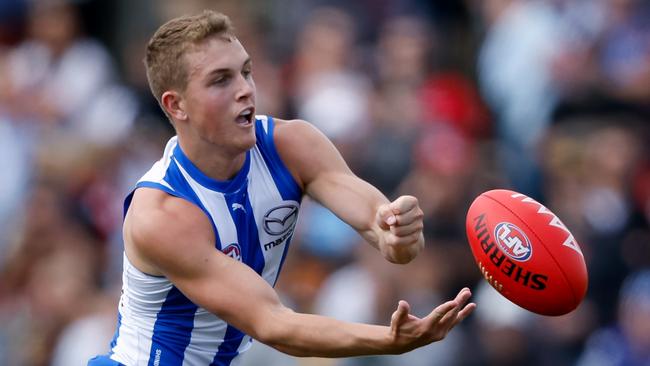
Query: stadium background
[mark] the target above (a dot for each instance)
(440, 99)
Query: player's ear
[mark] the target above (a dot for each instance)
(174, 104)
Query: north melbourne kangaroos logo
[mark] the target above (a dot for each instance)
(281, 219)
(233, 251)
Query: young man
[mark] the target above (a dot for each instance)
(207, 228)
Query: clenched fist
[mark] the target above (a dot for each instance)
(401, 224)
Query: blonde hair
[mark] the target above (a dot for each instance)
(165, 55)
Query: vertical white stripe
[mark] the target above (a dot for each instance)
(124, 350)
(262, 190)
(206, 338)
(142, 293)
(209, 330)
(135, 334)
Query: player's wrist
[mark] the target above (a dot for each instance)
(402, 253)
(385, 342)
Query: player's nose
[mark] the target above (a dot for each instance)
(245, 88)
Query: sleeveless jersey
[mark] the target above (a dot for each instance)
(253, 216)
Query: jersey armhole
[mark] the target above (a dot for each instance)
(195, 201)
(147, 184)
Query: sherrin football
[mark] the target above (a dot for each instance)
(526, 253)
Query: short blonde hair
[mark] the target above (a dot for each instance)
(165, 55)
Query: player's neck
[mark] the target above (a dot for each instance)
(216, 163)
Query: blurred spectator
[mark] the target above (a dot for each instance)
(52, 266)
(514, 65)
(401, 64)
(502, 331)
(325, 235)
(12, 15)
(403, 54)
(60, 79)
(444, 165)
(408, 59)
(561, 337)
(386, 157)
(625, 50)
(449, 97)
(628, 341)
(15, 149)
(359, 280)
(612, 152)
(88, 334)
(329, 92)
(589, 168)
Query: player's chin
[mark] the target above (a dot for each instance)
(247, 142)
(243, 135)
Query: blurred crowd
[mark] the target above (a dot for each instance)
(439, 99)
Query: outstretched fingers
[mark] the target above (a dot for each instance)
(466, 307)
(461, 299)
(409, 332)
(465, 312)
(443, 318)
(441, 311)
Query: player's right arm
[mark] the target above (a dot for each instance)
(168, 236)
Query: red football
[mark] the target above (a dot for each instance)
(526, 253)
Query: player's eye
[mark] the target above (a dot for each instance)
(220, 79)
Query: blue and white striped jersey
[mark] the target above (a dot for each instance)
(253, 216)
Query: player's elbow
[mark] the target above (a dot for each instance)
(288, 349)
(267, 330)
(275, 330)
(270, 334)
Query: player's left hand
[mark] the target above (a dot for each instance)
(402, 224)
(409, 332)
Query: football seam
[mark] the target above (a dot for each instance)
(564, 276)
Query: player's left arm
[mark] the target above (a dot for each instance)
(394, 228)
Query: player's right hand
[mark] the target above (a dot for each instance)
(401, 223)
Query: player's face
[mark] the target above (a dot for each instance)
(220, 94)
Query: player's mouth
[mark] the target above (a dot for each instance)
(245, 117)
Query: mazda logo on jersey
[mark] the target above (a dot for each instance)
(281, 219)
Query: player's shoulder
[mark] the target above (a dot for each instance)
(295, 132)
(156, 220)
(299, 144)
(289, 123)
(306, 151)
